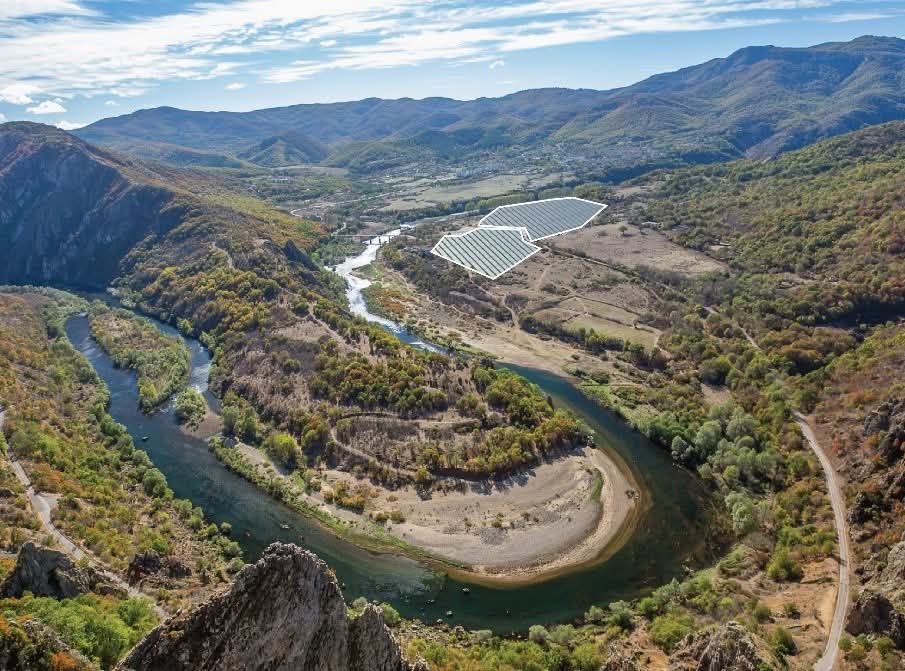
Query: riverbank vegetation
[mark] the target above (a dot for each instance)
(110, 499)
(162, 363)
(190, 407)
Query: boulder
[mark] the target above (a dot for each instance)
(873, 614)
(46, 572)
(286, 611)
(143, 564)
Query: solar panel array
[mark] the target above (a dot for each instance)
(503, 238)
(487, 251)
(545, 218)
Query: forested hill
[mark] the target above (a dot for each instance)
(71, 212)
(757, 102)
(825, 223)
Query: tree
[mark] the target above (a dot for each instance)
(283, 448)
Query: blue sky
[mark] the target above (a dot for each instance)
(70, 62)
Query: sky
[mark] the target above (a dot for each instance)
(71, 62)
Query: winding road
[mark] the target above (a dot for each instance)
(830, 656)
(828, 660)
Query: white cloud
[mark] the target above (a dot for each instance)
(77, 51)
(111, 103)
(497, 64)
(69, 125)
(235, 86)
(18, 94)
(857, 16)
(47, 107)
(11, 9)
(2, 117)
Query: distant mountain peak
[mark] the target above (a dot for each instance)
(757, 101)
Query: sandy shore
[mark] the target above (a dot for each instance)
(530, 526)
(523, 529)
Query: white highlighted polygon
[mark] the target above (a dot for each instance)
(503, 239)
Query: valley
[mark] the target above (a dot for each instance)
(670, 439)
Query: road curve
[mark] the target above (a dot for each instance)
(827, 661)
(830, 656)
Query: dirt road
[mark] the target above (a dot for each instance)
(43, 507)
(828, 660)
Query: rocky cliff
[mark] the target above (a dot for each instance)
(69, 211)
(284, 612)
(46, 572)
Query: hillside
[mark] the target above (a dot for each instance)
(757, 102)
(287, 149)
(825, 221)
(71, 211)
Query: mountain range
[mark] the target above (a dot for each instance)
(756, 103)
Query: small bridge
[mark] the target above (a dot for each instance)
(369, 239)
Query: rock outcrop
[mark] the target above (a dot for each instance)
(146, 564)
(618, 660)
(284, 612)
(727, 648)
(873, 614)
(46, 572)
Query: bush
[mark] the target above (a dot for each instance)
(761, 613)
(666, 631)
(595, 615)
(283, 449)
(782, 643)
(538, 634)
(586, 658)
(782, 568)
(790, 609)
(390, 615)
(562, 634)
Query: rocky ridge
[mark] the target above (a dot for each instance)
(286, 611)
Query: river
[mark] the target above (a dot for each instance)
(669, 533)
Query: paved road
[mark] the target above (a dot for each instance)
(827, 662)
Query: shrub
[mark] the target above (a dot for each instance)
(761, 613)
(782, 642)
(586, 658)
(666, 631)
(595, 615)
(390, 615)
(190, 407)
(283, 449)
(538, 634)
(782, 568)
(562, 634)
(790, 609)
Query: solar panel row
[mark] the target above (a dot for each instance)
(545, 218)
(488, 251)
(503, 238)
